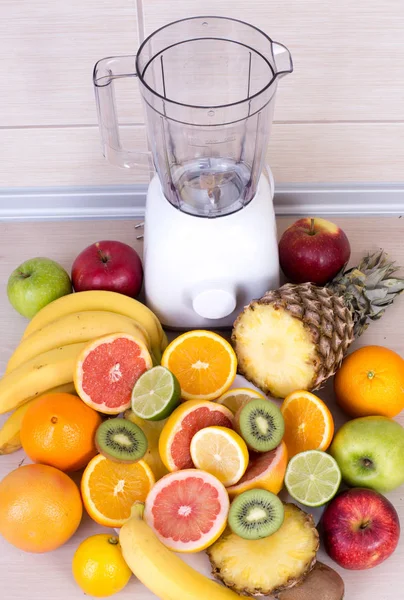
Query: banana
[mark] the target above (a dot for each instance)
(50, 369)
(10, 431)
(72, 329)
(101, 300)
(159, 569)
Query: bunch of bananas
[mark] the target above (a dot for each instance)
(45, 359)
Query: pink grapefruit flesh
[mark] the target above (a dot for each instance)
(108, 369)
(187, 510)
(183, 423)
(266, 470)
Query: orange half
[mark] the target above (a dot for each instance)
(308, 423)
(109, 489)
(204, 363)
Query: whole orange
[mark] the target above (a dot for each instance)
(59, 430)
(40, 508)
(371, 382)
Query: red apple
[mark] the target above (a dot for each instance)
(108, 265)
(313, 250)
(361, 529)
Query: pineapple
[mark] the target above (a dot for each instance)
(268, 565)
(295, 338)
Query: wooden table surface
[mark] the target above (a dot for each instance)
(36, 576)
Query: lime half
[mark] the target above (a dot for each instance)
(155, 395)
(312, 477)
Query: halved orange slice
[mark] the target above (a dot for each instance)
(308, 423)
(108, 368)
(204, 363)
(110, 488)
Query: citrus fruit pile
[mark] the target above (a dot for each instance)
(171, 446)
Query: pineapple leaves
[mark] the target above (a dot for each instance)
(368, 288)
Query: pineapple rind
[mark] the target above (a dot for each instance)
(327, 323)
(270, 565)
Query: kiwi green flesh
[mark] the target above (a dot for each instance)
(121, 440)
(256, 514)
(261, 425)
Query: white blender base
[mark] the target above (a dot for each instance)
(201, 272)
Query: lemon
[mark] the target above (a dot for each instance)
(221, 452)
(98, 566)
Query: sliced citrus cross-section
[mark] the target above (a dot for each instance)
(181, 426)
(266, 470)
(312, 477)
(108, 368)
(110, 488)
(237, 397)
(221, 452)
(156, 394)
(187, 510)
(204, 363)
(308, 423)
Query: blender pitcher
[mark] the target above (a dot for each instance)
(208, 88)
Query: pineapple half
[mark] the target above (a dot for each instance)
(268, 565)
(295, 338)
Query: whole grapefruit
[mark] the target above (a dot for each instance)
(40, 508)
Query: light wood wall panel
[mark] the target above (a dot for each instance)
(48, 49)
(316, 152)
(348, 55)
(339, 116)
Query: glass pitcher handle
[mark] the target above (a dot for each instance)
(282, 58)
(105, 72)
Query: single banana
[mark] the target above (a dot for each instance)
(100, 300)
(50, 369)
(72, 329)
(10, 430)
(162, 571)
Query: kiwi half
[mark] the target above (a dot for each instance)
(121, 440)
(261, 425)
(256, 514)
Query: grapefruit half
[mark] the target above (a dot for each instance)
(108, 368)
(187, 510)
(181, 426)
(266, 470)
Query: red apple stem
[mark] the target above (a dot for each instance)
(311, 231)
(102, 256)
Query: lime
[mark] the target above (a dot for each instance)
(155, 395)
(312, 477)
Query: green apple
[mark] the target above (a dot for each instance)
(35, 283)
(370, 453)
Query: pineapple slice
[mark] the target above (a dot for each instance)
(274, 349)
(268, 565)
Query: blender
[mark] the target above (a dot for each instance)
(208, 88)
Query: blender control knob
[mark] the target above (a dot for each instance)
(214, 304)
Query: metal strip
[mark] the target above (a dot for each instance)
(128, 202)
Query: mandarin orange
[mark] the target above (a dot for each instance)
(59, 430)
(371, 382)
